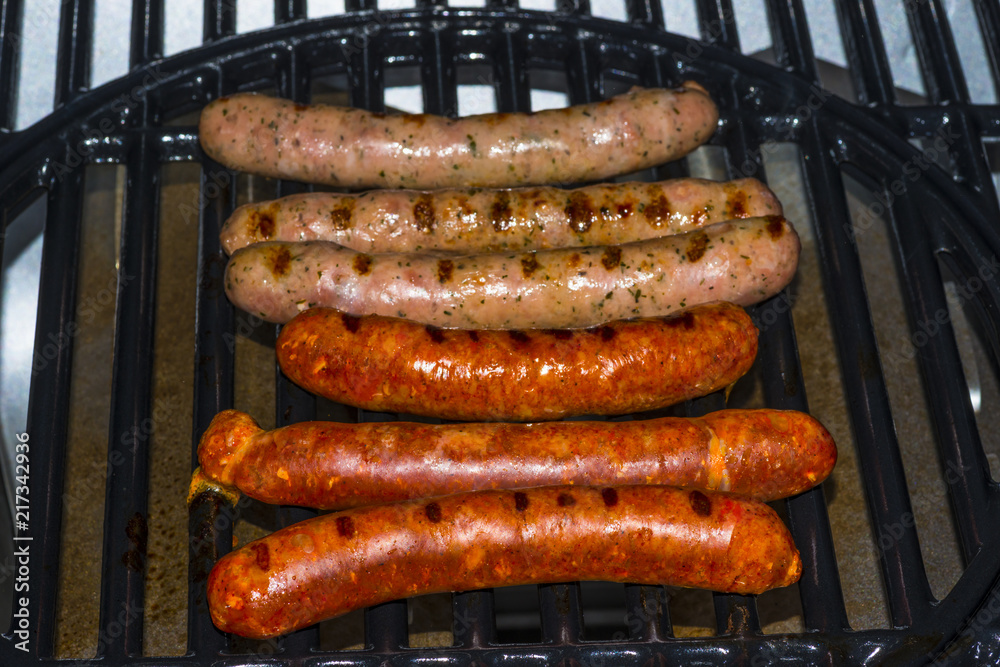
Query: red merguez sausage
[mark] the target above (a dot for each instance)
(475, 221)
(394, 365)
(765, 454)
(352, 148)
(659, 535)
(743, 261)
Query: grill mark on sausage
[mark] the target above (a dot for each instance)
(736, 204)
(610, 497)
(560, 334)
(474, 336)
(423, 213)
(520, 501)
(417, 119)
(657, 211)
(300, 108)
(519, 337)
(612, 258)
(529, 264)
(342, 216)
(261, 556)
(345, 527)
(696, 246)
(433, 512)
(435, 333)
(363, 264)
(625, 209)
(580, 211)
(686, 320)
(351, 322)
(775, 226)
(500, 212)
(445, 270)
(607, 333)
(699, 217)
(280, 260)
(573, 261)
(262, 222)
(565, 500)
(700, 503)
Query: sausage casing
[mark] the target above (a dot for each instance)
(394, 365)
(742, 261)
(765, 454)
(353, 148)
(473, 221)
(327, 566)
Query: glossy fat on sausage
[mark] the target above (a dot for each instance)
(473, 221)
(742, 261)
(658, 535)
(353, 148)
(764, 454)
(394, 365)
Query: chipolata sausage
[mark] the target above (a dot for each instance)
(476, 220)
(395, 365)
(743, 261)
(764, 454)
(659, 535)
(353, 148)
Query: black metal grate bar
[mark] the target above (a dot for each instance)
(790, 33)
(48, 410)
(938, 56)
(963, 460)
(718, 23)
(438, 75)
(211, 521)
(286, 11)
(76, 26)
(645, 12)
(147, 32)
(878, 450)
(219, 19)
(10, 43)
(647, 614)
(511, 81)
(820, 590)
(385, 626)
(124, 556)
(561, 614)
(866, 54)
(474, 624)
(988, 13)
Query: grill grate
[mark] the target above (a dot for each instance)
(952, 217)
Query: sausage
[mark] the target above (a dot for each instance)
(394, 365)
(742, 261)
(764, 454)
(353, 148)
(658, 535)
(473, 221)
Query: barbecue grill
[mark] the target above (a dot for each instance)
(940, 235)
